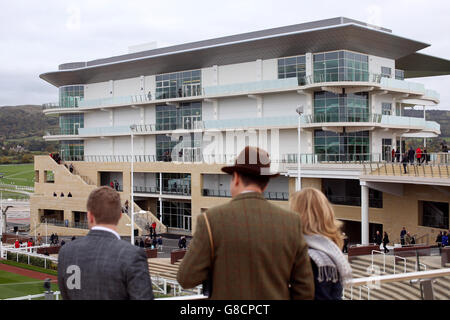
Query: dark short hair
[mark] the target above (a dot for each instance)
(104, 203)
(260, 181)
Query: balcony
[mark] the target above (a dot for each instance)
(178, 191)
(369, 120)
(105, 131)
(342, 117)
(250, 87)
(290, 121)
(269, 195)
(412, 87)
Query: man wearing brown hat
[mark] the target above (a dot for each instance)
(232, 250)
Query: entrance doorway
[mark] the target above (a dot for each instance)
(353, 231)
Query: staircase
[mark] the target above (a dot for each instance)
(147, 218)
(397, 290)
(163, 268)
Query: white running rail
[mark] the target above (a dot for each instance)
(404, 262)
(384, 259)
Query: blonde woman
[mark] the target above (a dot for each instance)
(323, 235)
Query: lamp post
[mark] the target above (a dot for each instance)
(3, 215)
(299, 110)
(132, 127)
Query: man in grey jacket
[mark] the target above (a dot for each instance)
(101, 266)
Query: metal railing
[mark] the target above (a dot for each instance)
(375, 282)
(404, 262)
(417, 170)
(269, 195)
(384, 259)
(23, 251)
(65, 223)
(312, 158)
(343, 117)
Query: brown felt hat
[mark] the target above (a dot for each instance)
(252, 161)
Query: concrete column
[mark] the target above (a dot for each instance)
(68, 215)
(364, 214)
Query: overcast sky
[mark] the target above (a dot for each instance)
(37, 36)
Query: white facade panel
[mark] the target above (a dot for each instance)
(149, 145)
(127, 116)
(279, 105)
(127, 87)
(96, 90)
(237, 108)
(97, 118)
(149, 114)
(207, 110)
(270, 69)
(238, 73)
(375, 64)
(98, 146)
(209, 76)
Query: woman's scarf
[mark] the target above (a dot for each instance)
(329, 259)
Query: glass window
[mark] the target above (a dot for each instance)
(386, 108)
(181, 84)
(292, 67)
(399, 74)
(69, 96)
(385, 72)
(72, 150)
(332, 146)
(434, 214)
(348, 192)
(340, 66)
(69, 124)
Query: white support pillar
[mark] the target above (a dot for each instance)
(364, 214)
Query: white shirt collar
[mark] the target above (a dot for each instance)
(106, 229)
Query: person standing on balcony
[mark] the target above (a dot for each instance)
(397, 155)
(322, 233)
(82, 271)
(419, 155)
(411, 154)
(393, 155)
(425, 156)
(385, 242)
(405, 162)
(231, 252)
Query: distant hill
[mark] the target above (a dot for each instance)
(24, 126)
(17, 122)
(440, 116)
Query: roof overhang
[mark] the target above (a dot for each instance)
(266, 44)
(418, 65)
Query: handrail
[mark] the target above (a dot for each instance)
(384, 259)
(400, 277)
(404, 261)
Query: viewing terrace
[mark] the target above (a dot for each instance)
(302, 85)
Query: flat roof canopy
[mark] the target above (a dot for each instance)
(319, 36)
(418, 65)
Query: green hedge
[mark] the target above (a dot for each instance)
(34, 261)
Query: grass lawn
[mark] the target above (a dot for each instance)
(14, 285)
(17, 174)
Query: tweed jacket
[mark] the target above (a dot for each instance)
(102, 267)
(259, 252)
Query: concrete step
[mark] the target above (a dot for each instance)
(397, 290)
